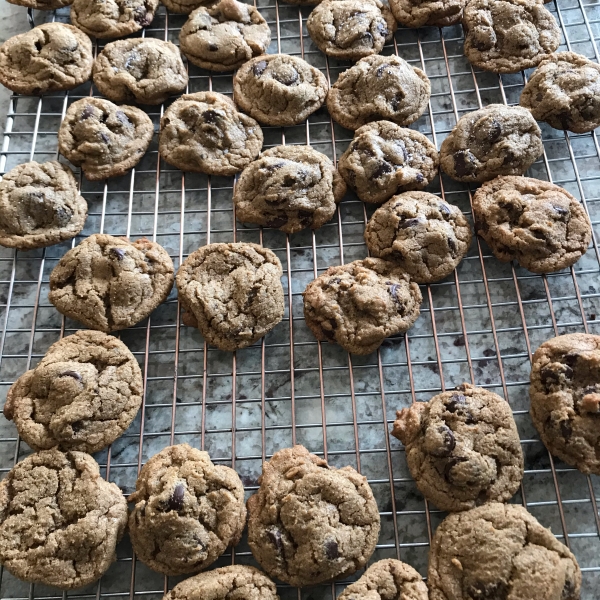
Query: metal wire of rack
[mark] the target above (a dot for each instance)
(480, 325)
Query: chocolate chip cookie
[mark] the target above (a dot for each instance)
(104, 139)
(49, 58)
(495, 140)
(187, 511)
(205, 132)
(351, 29)
(142, 70)
(41, 4)
(184, 6)
(434, 13)
(231, 292)
(279, 89)
(223, 36)
(534, 222)
(59, 520)
(310, 522)
(424, 235)
(499, 551)
(385, 159)
(109, 283)
(565, 398)
(40, 205)
(508, 36)
(290, 188)
(564, 91)
(376, 88)
(360, 304)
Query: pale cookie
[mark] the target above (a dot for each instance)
(42, 4)
(185, 7)
(434, 13)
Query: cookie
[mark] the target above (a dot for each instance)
(376, 88)
(41, 4)
(142, 70)
(565, 398)
(185, 7)
(40, 205)
(109, 283)
(564, 91)
(351, 29)
(495, 140)
(434, 13)
(385, 159)
(59, 520)
(309, 522)
(508, 36)
(290, 188)
(204, 132)
(82, 396)
(231, 292)
(421, 233)
(112, 18)
(279, 89)
(534, 222)
(499, 551)
(104, 139)
(187, 511)
(49, 58)
(360, 304)
(223, 36)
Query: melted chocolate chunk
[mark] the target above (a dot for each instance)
(122, 118)
(495, 131)
(407, 223)
(259, 68)
(274, 536)
(331, 549)
(464, 163)
(118, 253)
(447, 440)
(104, 137)
(566, 429)
(382, 168)
(488, 591)
(397, 99)
(87, 112)
(445, 210)
(382, 69)
(287, 77)
(213, 47)
(458, 405)
(210, 116)
(277, 222)
(140, 16)
(452, 246)
(568, 590)
(560, 211)
(74, 374)
(176, 499)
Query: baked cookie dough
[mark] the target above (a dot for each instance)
(385, 159)
(41, 4)
(279, 89)
(565, 398)
(59, 520)
(434, 13)
(49, 58)
(290, 188)
(376, 88)
(109, 283)
(499, 551)
(187, 511)
(40, 205)
(309, 522)
(205, 132)
(360, 304)
(142, 70)
(495, 140)
(223, 36)
(104, 139)
(185, 7)
(421, 233)
(534, 222)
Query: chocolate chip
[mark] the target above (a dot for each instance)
(382, 30)
(213, 47)
(393, 291)
(306, 217)
(450, 464)
(368, 38)
(464, 163)
(382, 168)
(210, 116)
(333, 281)
(275, 536)
(407, 223)
(122, 117)
(77, 426)
(452, 246)
(458, 405)
(277, 222)
(495, 131)
(446, 440)
(74, 374)
(560, 211)
(488, 591)
(118, 253)
(176, 499)
(331, 549)
(104, 137)
(571, 358)
(287, 77)
(38, 45)
(381, 70)
(87, 112)
(568, 590)
(397, 99)
(481, 226)
(508, 158)
(259, 68)
(566, 429)
(140, 15)
(445, 210)
(419, 177)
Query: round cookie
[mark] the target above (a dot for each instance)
(421, 233)
(309, 522)
(360, 304)
(185, 7)
(82, 396)
(534, 222)
(59, 520)
(564, 91)
(499, 551)
(376, 88)
(351, 29)
(565, 398)
(40, 205)
(495, 140)
(223, 36)
(434, 13)
(104, 139)
(41, 4)
(204, 132)
(49, 58)
(279, 89)
(385, 159)
(290, 188)
(508, 36)
(232, 293)
(142, 70)
(462, 448)
(109, 283)
(187, 511)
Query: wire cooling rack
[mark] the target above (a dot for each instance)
(479, 325)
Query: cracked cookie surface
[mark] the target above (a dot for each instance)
(41, 4)
(434, 13)
(187, 511)
(185, 7)
(110, 283)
